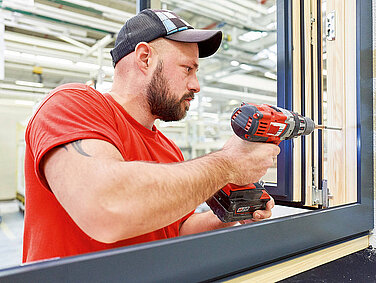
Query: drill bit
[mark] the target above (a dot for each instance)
(323, 127)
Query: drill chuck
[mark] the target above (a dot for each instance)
(310, 126)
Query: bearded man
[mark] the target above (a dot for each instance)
(100, 175)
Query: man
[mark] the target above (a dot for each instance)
(99, 174)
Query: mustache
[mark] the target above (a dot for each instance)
(188, 95)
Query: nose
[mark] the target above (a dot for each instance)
(193, 84)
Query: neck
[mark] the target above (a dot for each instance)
(137, 106)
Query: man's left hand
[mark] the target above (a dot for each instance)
(261, 214)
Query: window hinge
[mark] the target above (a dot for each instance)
(312, 22)
(317, 196)
(321, 196)
(331, 26)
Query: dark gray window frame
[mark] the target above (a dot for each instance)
(235, 250)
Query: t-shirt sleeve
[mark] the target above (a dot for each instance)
(68, 115)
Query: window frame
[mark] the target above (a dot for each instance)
(231, 251)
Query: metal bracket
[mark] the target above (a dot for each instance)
(316, 193)
(331, 26)
(322, 196)
(312, 22)
(325, 194)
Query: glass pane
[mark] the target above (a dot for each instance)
(243, 70)
(340, 158)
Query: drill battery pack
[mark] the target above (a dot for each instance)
(235, 203)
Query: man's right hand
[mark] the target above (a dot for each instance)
(249, 160)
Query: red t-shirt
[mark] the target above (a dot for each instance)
(72, 112)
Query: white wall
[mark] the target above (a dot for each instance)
(12, 116)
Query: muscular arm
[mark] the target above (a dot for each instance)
(207, 221)
(111, 199)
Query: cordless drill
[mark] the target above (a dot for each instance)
(256, 123)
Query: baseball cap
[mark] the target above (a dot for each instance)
(152, 24)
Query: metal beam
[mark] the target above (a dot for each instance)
(100, 44)
(142, 5)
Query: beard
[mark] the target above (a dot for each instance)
(163, 104)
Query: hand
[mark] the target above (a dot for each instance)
(249, 161)
(259, 215)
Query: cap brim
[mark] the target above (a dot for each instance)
(208, 40)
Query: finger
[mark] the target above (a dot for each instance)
(277, 150)
(270, 204)
(246, 221)
(261, 214)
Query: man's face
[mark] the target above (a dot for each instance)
(164, 104)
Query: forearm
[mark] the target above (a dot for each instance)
(202, 222)
(149, 196)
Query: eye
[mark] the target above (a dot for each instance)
(188, 69)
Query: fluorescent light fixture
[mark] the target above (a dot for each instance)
(21, 3)
(206, 99)
(59, 61)
(235, 63)
(252, 35)
(273, 48)
(233, 102)
(246, 67)
(33, 84)
(24, 102)
(272, 9)
(104, 87)
(87, 65)
(270, 75)
(11, 53)
(272, 26)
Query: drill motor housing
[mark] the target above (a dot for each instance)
(266, 123)
(256, 123)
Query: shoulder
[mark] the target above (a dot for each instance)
(73, 95)
(76, 90)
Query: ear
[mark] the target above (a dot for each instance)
(143, 56)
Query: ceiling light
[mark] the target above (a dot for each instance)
(235, 63)
(21, 3)
(24, 102)
(87, 65)
(272, 26)
(246, 67)
(270, 75)
(233, 102)
(33, 84)
(272, 9)
(206, 99)
(252, 35)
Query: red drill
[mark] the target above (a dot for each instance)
(256, 123)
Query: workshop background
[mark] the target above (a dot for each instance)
(46, 43)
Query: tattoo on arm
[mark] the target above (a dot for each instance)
(77, 146)
(64, 146)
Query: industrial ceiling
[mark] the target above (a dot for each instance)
(50, 42)
(70, 41)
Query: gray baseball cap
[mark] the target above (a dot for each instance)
(152, 24)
